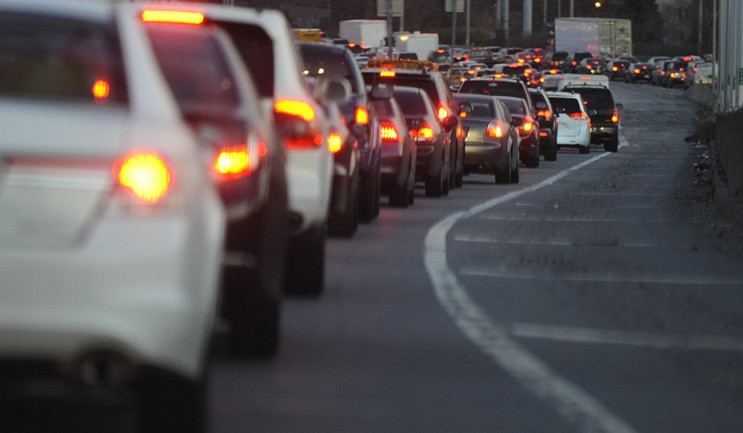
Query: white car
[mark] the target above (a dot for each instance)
(111, 229)
(266, 44)
(574, 125)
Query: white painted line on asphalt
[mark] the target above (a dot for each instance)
(628, 194)
(568, 400)
(556, 242)
(551, 219)
(605, 277)
(572, 334)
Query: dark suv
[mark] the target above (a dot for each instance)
(547, 123)
(604, 114)
(338, 62)
(437, 88)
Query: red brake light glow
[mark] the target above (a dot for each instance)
(443, 113)
(578, 115)
(335, 143)
(232, 162)
(388, 132)
(170, 16)
(145, 174)
(101, 89)
(424, 133)
(615, 117)
(388, 73)
(547, 114)
(361, 116)
(295, 108)
(494, 129)
(528, 125)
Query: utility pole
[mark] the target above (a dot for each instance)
(506, 14)
(700, 23)
(544, 14)
(572, 8)
(527, 24)
(467, 23)
(498, 20)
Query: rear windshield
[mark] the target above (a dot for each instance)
(598, 98)
(411, 103)
(206, 84)
(322, 62)
(486, 87)
(565, 105)
(256, 49)
(62, 59)
(514, 106)
(422, 82)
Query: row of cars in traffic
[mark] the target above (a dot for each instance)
(168, 170)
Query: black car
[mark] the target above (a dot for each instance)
(398, 149)
(547, 124)
(603, 112)
(617, 68)
(573, 64)
(432, 141)
(437, 88)
(218, 100)
(499, 87)
(337, 61)
(492, 142)
(592, 66)
(527, 127)
(638, 72)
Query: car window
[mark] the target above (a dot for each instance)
(322, 62)
(514, 106)
(487, 87)
(565, 105)
(176, 50)
(256, 49)
(411, 103)
(598, 98)
(60, 59)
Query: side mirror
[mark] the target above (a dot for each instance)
(592, 112)
(620, 107)
(465, 109)
(450, 121)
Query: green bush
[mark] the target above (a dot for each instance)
(704, 123)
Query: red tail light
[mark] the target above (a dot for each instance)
(443, 113)
(424, 133)
(101, 89)
(389, 132)
(147, 175)
(615, 117)
(615, 69)
(494, 129)
(387, 73)
(637, 71)
(178, 17)
(543, 133)
(300, 109)
(361, 116)
(231, 162)
(547, 114)
(527, 126)
(335, 142)
(588, 67)
(578, 115)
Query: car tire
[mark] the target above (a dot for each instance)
(255, 326)
(612, 146)
(435, 183)
(400, 194)
(305, 263)
(503, 176)
(533, 161)
(369, 195)
(550, 152)
(584, 149)
(515, 173)
(346, 224)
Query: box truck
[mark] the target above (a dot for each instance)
(366, 33)
(422, 44)
(602, 37)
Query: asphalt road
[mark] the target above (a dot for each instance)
(576, 301)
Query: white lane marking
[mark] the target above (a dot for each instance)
(570, 401)
(603, 277)
(525, 218)
(555, 242)
(628, 194)
(639, 339)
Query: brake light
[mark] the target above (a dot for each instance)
(443, 113)
(335, 142)
(615, 117)
(542, 133)
(547, 114)
(578, 115)
(166, 16)
(424, 133)
(361, 116)
(101, 89)
(588, 67)
(145, 174)
(575, 63)
(231, 162)
(494, 129)
(387, 73)
(528, 125)
(615, 69)
(637, 71)
(295, 108)
(388, 132)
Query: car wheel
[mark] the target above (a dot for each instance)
(254, 325)
(515, 173)
(447, 179)
(305, 263)
(369, 196)
(533, 161)
(584, 149)
(400, 194)
(550, 152)
(503, 176)
(612, 146)
(346, 224)
(435, 183)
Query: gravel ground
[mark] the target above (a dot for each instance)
(705, 205)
